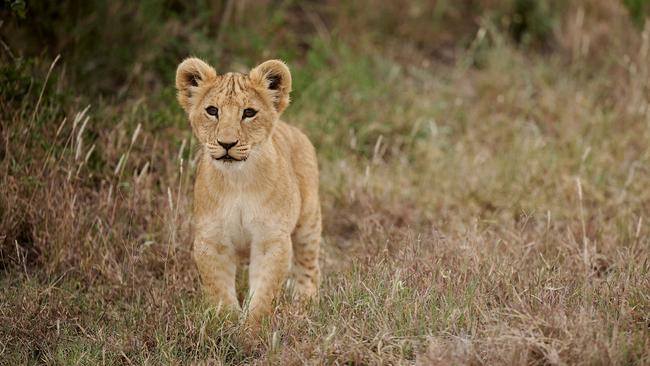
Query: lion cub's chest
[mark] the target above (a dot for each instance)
(240, 217)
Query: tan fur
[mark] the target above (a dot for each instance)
(262, 206)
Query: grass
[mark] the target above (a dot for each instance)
(491, 207)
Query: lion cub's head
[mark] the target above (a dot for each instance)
(232, 113)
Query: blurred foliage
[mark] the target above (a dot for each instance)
(106, 41)
(17, 7)
(118, 47)
(15, 79)
(639, 10)
(531, 21)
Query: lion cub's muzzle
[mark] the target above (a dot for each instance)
(228, 152)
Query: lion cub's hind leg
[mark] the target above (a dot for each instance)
(306, 240)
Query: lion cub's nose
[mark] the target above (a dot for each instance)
(227, 145)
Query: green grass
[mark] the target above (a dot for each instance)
(485, 208)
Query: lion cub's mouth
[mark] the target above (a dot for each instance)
(228, 158)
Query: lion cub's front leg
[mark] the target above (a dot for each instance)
(217, 265)
(269, 266)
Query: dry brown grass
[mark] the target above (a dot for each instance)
(489, 210)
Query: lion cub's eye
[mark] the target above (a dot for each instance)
(249, 112)
(213, 111)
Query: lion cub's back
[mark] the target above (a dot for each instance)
(299, 151)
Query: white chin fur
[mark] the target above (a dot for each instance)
(228, 165)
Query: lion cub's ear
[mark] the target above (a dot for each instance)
(190, 75)
(274, 76)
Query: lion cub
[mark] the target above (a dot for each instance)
(256, 189)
